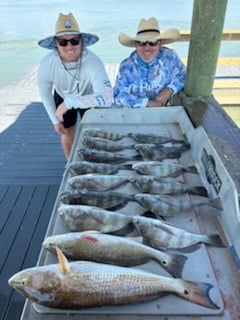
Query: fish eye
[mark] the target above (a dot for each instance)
(164, 262)
(186, 292)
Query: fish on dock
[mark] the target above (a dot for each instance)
(84, 167)
(78, 285)
(102, 156)
(103, 199)
(84, 217)
(153, 185)
(153, 152)
(162, 235)
(164, 205)
(97, 182)
(99, 133)
(162, 169)
(111, 249)
(106, 145)
(154, 138)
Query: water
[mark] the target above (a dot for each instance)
(24, 22)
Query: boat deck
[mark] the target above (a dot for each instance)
(31, 168)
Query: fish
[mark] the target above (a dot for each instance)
(104, 156)
(99, 133)
(78, 285)
(111, 249)
(153, 152)
(103, 199)
(97, 182)
(161, 169)
(153, 185)
(106, 145)
(83, 167)
(163, 205)
(162, 235)
(153, 138)
(84, 217)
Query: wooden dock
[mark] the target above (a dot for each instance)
(31, 168)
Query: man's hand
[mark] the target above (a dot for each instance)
(161, 99)
(61, 110)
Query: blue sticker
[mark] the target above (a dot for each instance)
(67, 24)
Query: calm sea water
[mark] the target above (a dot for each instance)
(24, 22)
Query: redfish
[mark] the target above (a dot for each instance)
(77, 285)
(105, 248)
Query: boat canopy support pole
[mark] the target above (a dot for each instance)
(206, 33)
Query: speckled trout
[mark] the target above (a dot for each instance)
(105, 248)
(77, 285)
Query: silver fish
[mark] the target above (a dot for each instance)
(103, 134)
(153, 138)
(106, 145)
(160, 169)
(112, 249)
(104, 156)
(155, 152)
(162, 235)
(97, 182)
(153, 185)
(105, 199)
(83, 167)
(84, 217)
(162, 205)
(76, 285)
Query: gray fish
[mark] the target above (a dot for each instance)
(162, 205)
(76, 285)
(153, 185)
(162, 235)
(106, 145)
(153, 138)
(160, 169)
(84, 217)
(155, 152)
(106, 248)
(99, 133)
(83, 167)
(97, 182)
(104, 156)
(105, 199)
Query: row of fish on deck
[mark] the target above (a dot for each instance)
(105, 243)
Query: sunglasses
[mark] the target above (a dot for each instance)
(64, 42)
(151, 43)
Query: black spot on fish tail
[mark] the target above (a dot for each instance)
(118, 206)
(199, 190)
(174, 265)
(124, 231)
(125, 166)
(197, 292)
(215, 240)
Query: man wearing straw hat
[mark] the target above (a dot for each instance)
(71, 78)
(153, 72)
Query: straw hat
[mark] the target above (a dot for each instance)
(67, 25)
(148, 30)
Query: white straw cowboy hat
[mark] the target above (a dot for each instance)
(67, 25)
(148, 30)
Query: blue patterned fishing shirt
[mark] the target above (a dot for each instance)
(138, 81)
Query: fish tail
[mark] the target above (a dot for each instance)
(215, 240)
(198, 190)
(126, 166)
(174, 265)
(216, 203)
(190, 169)
(197, 292)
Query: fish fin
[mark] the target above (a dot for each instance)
(175, 264)
(191, 169)
(198, 190)
(215, 240)
(216, 203)
(63, 262)
(197, 292)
